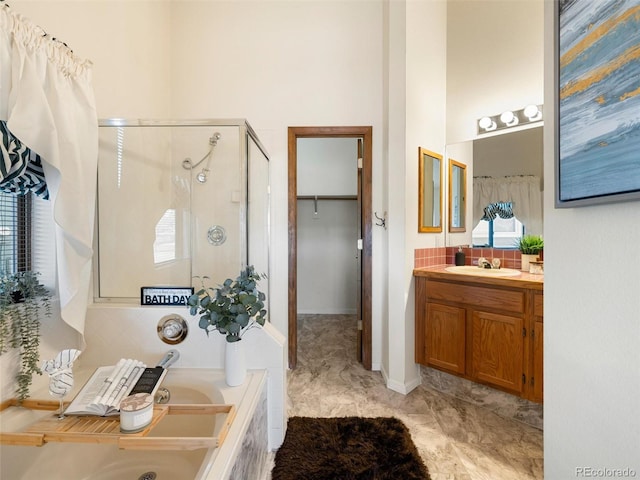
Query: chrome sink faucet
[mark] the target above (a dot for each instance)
(485, 263)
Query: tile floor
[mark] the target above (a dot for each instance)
(462, 430)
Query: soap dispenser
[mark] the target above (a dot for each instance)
(459, 257)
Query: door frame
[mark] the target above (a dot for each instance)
(328, 132)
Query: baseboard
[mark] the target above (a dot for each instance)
(403, 388)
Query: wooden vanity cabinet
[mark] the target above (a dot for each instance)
(491, 334)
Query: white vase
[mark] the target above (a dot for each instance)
(526, 259)
(235, 368)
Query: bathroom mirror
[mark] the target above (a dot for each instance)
(509, 153)
(429, 191)
(457, 196)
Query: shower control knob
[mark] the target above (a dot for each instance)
(172, 329)
(216, 235)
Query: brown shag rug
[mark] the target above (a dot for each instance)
(348, 448)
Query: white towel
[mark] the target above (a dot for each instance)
(59, 370)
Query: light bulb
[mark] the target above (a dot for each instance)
(487, 124)
(532, 112)
(509, 119)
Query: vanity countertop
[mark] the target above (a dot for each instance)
(524, 280)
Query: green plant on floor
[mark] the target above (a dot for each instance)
(23, 303)
(530, 244)
(231, 308)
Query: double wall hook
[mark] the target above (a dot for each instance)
(383, 220)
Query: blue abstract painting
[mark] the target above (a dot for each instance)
(598, 99)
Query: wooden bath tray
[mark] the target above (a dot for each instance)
(95, 429)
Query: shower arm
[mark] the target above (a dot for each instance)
(187, 165)
(213, 141)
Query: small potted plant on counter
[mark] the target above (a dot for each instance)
(231, 309)
(23, 302)
(530, 247)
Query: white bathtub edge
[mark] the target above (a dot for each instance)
(223, 459)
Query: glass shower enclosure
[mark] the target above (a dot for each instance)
(178, 201)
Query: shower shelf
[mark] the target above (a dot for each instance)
(106, 430)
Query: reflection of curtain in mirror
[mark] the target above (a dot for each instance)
(47, 100)
(523, 191)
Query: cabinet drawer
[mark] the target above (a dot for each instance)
(507, 300)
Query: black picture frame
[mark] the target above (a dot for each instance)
(165, 296)
(597, 87)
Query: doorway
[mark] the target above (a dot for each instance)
(364, 158)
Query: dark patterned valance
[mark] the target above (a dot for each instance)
(20, 167)
(498, 209)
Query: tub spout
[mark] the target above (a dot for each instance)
(169, 359)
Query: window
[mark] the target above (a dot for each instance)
(498, 233)
(164, 246)
(15, 232)
(499, 228)
(27, 238)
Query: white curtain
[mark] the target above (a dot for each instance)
(47, 100)
(522, 191)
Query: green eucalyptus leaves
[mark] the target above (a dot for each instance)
(230, 308)
(24, 302)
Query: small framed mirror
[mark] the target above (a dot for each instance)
(429, 191)
(457, 196)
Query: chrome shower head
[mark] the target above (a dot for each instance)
(214, 139)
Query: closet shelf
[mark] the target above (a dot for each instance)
(327, 197)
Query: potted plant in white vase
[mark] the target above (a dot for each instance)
(530, 247)
(231, 309)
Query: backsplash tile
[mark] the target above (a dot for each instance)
(429, 257)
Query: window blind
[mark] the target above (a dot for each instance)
(26, 236)
(15, 233)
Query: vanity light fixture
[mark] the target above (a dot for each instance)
(508, 119)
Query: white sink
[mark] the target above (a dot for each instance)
(483, 272)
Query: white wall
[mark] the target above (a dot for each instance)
(327, 263)
(415, 115)
(327, 166)
(591, 324)
(271, 62)
(518, 153)
(494, 60)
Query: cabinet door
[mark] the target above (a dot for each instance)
(445, 332)
(537, 362)
(537, 375)
(497, 350)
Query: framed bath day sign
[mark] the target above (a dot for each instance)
(165, 295)
(597, 102)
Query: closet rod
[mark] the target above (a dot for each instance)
(327, 197)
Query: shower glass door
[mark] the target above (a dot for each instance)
(172, 205)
